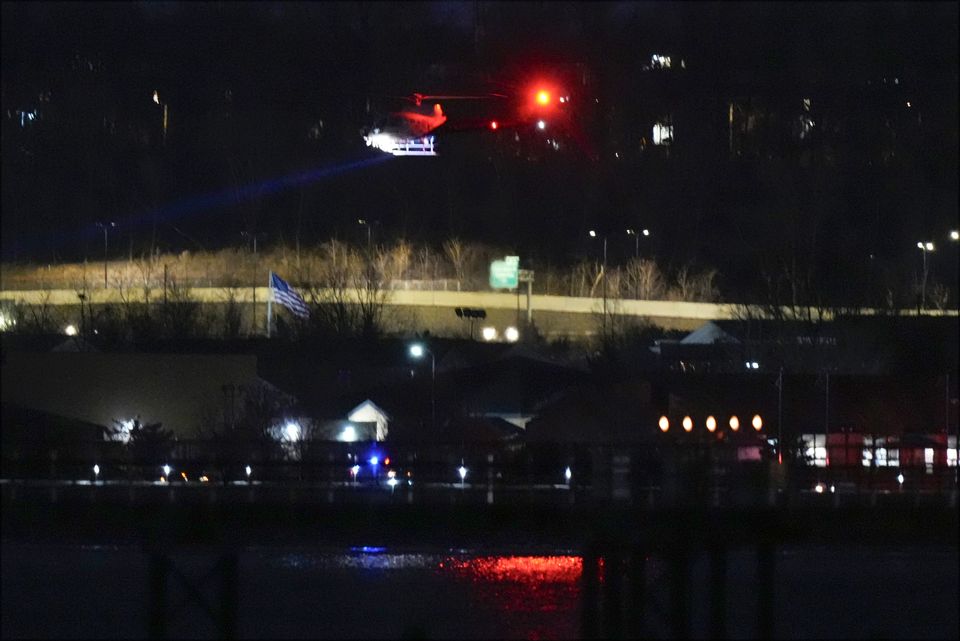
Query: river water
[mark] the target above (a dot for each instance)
(82, 591)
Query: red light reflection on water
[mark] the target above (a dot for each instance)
(523, 569)
(528, 592)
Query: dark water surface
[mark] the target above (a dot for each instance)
(74, 591)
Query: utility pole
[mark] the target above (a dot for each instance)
(826, 422)
(105, 227)
(780, 416)
(256, 265)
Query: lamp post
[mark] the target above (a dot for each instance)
(369, 225)
(924, 247)
(256, 265)
(417, 350)
(603, 271)
(636, 239)
(156, 99)
(105, 227)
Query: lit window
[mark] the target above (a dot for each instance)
(815, 449)
(659, 62)
(951, 451)
(662, 134)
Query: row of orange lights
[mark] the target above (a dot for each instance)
(711, 423)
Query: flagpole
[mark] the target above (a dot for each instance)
(269, 301)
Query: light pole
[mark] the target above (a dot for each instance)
(256, 265)
(369, 225)
(636, 239)
(417, 350)
(603, 271)
(156, 99)
(105, 227)
(924, 247)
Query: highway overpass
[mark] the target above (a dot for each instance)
(434, 310)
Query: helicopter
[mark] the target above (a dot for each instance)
(412, 131)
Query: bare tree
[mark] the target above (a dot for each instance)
(401, 256)
(696, 287)
(644, 279)
(36, 319)
(458, 253)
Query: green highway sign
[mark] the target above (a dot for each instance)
(505, 274)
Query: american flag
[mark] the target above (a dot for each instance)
(288, 297)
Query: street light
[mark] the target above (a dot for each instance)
(417, 350)
(256, 266)
(924, 247)
(156, 99)
(105, 227)
(368, 224)
(636, 239)
(593, 234)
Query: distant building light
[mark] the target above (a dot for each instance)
(662, 134)
(687, 424)
(248, 471)
(166, 470)
(541, 125)
(292, 431)
(567, 474)
(711, 424)
(416, 350)
(954, 235)
(96, 470)
(6, 322)
(734, 423)
(489, 333)
(664, 424)
(660, 62)
(70, 330)
(462, 471)
(511, 334)
(757, 422)
(348, 435)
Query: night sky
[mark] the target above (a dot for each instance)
(258, 91)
